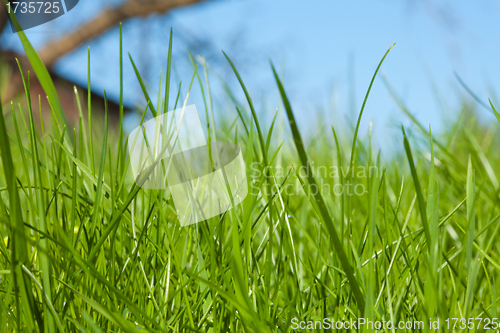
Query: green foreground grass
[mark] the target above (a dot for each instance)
(84, 249)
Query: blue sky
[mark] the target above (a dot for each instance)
(327, 51)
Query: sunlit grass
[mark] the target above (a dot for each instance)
(84, 249)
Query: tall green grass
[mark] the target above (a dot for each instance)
(84, 249)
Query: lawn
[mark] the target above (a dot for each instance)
(329, 232)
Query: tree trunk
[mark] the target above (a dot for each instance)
(4, 20)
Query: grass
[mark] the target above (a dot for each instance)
(84, 249)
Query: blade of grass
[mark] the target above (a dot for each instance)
(169, 70)
(471, 201)
(143, 87)
(430, 288)
(89, 115)
(418, 189)
(40, 70)
(319, 199)
(24, 299)
(100, 180)
(43, 245)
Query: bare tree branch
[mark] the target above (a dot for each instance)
(105, 21)
(93, 29)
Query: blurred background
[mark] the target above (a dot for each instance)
(325, 50)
